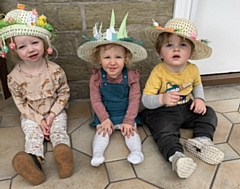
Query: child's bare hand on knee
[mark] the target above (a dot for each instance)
(105, 127)
(198, 106)
(128, 130)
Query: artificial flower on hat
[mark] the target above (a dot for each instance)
(185, 29)
(111, 36)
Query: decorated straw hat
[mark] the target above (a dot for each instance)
(111, 37)
(185, 29)
(21, 22)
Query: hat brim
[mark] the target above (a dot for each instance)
(20, 29)
(201, 50)
(85, 50)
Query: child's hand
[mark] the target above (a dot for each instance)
(105, 127)
(46, 129)
(170, 98)
(49, 119)
(128, 130)
(199, 106)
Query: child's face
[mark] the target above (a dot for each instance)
(29, 48)
(175, 53)
(112, 59)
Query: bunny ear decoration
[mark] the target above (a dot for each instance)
(111, 36)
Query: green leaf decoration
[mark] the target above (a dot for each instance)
(85, 38)
(205, 41)
(3, 23)
(112, 22)
(178, 30)
(100, 28)
(122, 33)
(49, 27)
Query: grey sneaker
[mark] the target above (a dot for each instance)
(184, 166)
(204, 149)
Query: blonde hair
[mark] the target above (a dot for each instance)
(96, 53)
(164, 38)
(14, 56)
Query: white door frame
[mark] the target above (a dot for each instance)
(185, 9)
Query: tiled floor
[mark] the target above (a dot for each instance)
(116, 172)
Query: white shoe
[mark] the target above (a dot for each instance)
(204, 149)
(184, 166)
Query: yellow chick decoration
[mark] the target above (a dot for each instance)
(42, 21)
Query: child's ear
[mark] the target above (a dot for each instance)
(160, 56)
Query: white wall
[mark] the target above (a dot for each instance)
(219, 22)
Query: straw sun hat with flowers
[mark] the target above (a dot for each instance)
(21, 22)
(185, 29)
(111, 37)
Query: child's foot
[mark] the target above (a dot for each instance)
(29, 167)
(184, 166)
(97, 160)
(135, 157)
(63, 156)
(204, 149)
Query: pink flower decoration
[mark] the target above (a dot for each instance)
(193, 35)
(35, 12)
(10, 19)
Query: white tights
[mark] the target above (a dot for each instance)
(100, 144)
